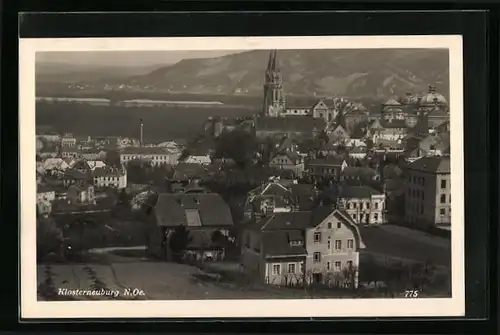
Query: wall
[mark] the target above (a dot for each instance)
(375, 210)
(423, 195)
(329, 255)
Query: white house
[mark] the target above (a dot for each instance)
(110, 177)
(364, 204)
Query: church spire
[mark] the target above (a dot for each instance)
(270, 62)
(276, 66)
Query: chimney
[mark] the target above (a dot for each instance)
(141, 143)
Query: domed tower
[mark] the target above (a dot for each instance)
(433, 99)
(274, 97)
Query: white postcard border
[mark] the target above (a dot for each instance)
(31, 308)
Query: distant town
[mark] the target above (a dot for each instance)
(327, 199)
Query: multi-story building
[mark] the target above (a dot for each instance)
(110, 177)
(364, 204)
(326, 167)
(428, 192)
(68, 140)
(155, 156)
(320, 246)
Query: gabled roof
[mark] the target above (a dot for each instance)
(281, 228)
(432, 164)
(170, 210)
(271, 188)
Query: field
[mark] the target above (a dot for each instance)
(118, 269)
(400, 243)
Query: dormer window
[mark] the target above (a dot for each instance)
(296, 243)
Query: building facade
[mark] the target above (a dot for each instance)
(428, 192)
(297, 248)
(364, 204)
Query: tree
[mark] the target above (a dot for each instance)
(238, 145)
(123, 199)
(113, 158)
(179, 241)
(49, 237)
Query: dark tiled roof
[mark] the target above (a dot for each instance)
(359, 171)
(276, 243)
(75, 174)
(184, 171)
(357, 191)
(170, 209)
(433, 164)
(287, 221)
(290, 123)
(328, 161)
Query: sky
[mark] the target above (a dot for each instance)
(126, 58)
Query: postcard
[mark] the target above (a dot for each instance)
(242, 177)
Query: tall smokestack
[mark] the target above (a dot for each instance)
(142, 133)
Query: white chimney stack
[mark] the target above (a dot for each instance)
(142, 133)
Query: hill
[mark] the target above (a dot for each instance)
(352, 73)
(59, 72)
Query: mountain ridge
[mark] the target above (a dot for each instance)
(368, 73)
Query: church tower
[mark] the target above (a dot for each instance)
(274, 98)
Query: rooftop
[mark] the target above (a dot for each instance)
(204, 209)
(357, 191)
(432, 164)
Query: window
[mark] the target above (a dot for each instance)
(422, 196)
(442, 211)
(349, 265)
(276, 269)
(350, 243)
(450, 198)
(348, 205)
(329, 245)
(317, 237)
(338, 244)
(329, 225)
(443, 198)
(367, 218)
(301, 267)
(376, 205)
(291, 268)
(443, 183)
(423, 181)
(328, 265)
(317, 257)
(339, 225)
(375, 217)
(368, 205)
(354, 217)
(355, 205)
(338, 266)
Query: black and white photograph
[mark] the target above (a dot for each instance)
(248, 177)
